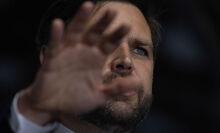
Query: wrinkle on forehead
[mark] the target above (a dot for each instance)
(126, 14)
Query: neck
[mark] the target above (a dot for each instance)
(80, 126)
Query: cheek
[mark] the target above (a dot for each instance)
(144, 70)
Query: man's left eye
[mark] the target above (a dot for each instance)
(140, 51)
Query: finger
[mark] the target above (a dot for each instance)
(57, 29)
(76, 26)
(93, 35)
(110, 42)
(94, 79)
(122, 85)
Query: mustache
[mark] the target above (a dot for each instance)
(109, 77)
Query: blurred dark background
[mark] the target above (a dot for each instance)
(186, 82)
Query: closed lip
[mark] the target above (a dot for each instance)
(129, 93)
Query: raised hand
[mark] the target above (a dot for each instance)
(70, 80)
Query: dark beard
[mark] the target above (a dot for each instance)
(105, 119)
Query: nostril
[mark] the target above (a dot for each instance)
(119, 66)
(122, 67)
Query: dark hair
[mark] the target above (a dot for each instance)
(66, 9)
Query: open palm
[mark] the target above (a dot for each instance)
(69, 80)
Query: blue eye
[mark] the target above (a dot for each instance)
(140, 51)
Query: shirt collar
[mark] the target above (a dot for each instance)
(62, 129)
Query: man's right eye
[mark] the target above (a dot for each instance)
(140, 51)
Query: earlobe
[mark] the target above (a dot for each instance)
(43, 53)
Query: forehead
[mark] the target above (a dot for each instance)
(126, 14)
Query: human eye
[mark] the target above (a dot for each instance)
(140, 51)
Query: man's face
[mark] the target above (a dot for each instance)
(133, 57)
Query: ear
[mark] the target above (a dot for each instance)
(43, 54)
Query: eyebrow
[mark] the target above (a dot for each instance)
(140, 42)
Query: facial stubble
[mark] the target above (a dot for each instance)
(107, 117)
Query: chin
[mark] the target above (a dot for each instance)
(122, 107)
(121, 112)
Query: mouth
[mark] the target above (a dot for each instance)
(108, 78)
(125, 96)
(129, 93)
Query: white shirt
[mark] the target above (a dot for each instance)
(20, 124)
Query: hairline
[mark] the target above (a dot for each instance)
(44, 35)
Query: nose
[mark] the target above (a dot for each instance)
(122, 66)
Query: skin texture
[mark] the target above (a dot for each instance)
(94, 63)
(141, 66)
